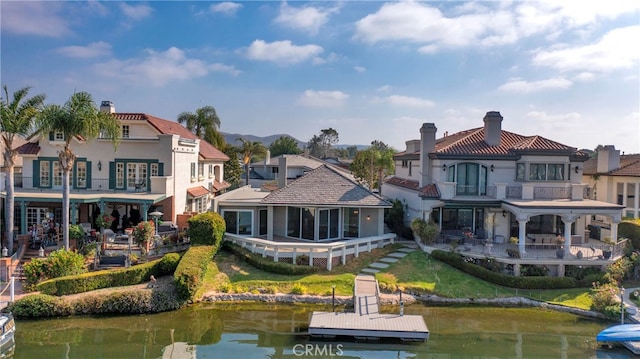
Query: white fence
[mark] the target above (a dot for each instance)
(289, 251)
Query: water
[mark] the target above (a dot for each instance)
(247, 331)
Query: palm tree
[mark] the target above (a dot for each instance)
(205, 119)
(17, 120)
(78, 118)
(248, 149)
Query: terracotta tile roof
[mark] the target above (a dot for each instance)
(325, 186)
(198, 191)
(471, 143)
(218, 186)
(427, 191)
(629, 166)
(207, 150)
(29, 148)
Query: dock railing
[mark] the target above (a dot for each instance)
(320, 251)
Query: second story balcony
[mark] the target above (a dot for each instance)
(154, 184)
(525, 191)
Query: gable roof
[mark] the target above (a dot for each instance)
(166, 127)
(427, 191)
(629, 166)
(471, 143)
(325, 186)
(294, 161)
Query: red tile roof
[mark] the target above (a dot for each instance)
(198, 191)
(218, 186)
(629, 166)
(207, 150)
(427, 191)
(29, 148)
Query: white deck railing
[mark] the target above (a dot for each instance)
(340, 249)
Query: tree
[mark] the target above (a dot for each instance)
(320, 145)
(205, 119)
(17, 120)
(78, 118)
(232, 168)
(248, 150)
(372, 165)
(284, 145)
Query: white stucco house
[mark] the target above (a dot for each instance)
(159, 165)
(497, 185)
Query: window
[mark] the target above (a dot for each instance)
(556, 172)
(263, 222)
(405, 163)
(120, 175)
(200, 170)
(58, 136)
(57, 174)
(45, 173)
(470, 178)
(410, 166)
(136, 176)
(238, 222)
(193, 170)
(81, 174)
(301, 222)
(329, 220)
(201, 204)
(520, 171)
(351, 222)
(154, 169)
(537, 172)
(125, 131)
(210, 171)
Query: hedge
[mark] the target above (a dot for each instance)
(457, 261)
(206, 228)
(268, 265)
(190, 272)
(133, 301)
(630, 229)
(110, 278)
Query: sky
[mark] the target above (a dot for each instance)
(372, 70)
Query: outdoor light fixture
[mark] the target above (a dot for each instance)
(444, 167)
(577, 168)
(368, 217)
(99, 166)
(492, 168)
(504, 213)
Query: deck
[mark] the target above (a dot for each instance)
(366, 322)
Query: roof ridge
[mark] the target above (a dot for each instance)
(463, 135)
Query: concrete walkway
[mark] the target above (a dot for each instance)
(390, 258)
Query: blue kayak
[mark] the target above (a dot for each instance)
(620, 333)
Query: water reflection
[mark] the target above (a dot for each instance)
(270, 331)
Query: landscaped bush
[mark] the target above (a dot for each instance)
(630, 229)
(207, 228)
(110, 278)
(457, 261)
(268, 265)
(58, 264)
(191, 269)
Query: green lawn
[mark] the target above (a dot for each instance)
(416, 272)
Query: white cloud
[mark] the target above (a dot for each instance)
(523, 86)
(136, 12)
(282, 52)
(226, 8)
(613, 51)
(94, 49)
(584, 76)
(34, 18)
(307, 18)
(406, 101)
(159, 68)
(360, 69)
(546, 122)
(323, 98)
(384, 88)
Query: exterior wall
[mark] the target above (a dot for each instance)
(280, 221)
(612, 188)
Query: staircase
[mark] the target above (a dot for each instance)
(29, 253)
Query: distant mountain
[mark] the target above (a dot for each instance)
(231, 138)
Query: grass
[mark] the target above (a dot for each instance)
(417, 273)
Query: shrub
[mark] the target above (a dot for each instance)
(145, 231)
(206, 228)
(630, 229)
(191, 269)
(604, 299)
(298, 288)
(427, 231)
(59, 263)
(76, 231)
(268, 265)
(169, 262)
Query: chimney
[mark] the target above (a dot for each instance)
(608, 159)
(108, 107)
(492, 128)
(413, 146)
(427, 145)
(282, 172)
(265, 168)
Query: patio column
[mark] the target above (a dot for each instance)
(614, 231)
(74, 212)
(144, 207)
(567, 220)
(636, 201)
(516, 270)
(522, 234)
(560, 270)
(270, 223)
(23, 216)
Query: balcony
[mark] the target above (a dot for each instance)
(159, 185)
(526, 191)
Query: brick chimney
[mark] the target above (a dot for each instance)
(492, 128)
(427, 145)
(608, 159)
(108, 107)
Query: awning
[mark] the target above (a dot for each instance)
(198, 191)
(218, 186)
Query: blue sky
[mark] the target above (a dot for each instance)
(372, 70)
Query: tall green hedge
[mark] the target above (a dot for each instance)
(110, 278)
(456, 260)
(630, 229)
(206, 228)
(191, 269)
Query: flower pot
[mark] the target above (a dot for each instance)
(606, 254)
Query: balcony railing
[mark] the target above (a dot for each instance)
(514, 192)
(551, 193)
(99, 184)
(476, 191)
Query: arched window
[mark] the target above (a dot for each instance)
(470, 178)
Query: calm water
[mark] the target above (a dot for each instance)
(242, 331)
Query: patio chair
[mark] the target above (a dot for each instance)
(141, 185)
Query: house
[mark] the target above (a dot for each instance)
(613, 178)
(297, 166)
(17, 142)
(494, 184)
(159, 165)
(324, 214)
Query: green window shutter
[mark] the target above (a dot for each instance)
(160, 169)
(72, 175)
(112, 175)
(36, 173)
(51, 136)
(88, 174)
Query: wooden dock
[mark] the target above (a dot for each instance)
(366, 322)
